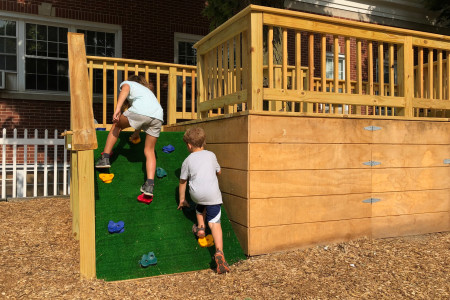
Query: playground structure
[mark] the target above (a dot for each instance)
(306, 159)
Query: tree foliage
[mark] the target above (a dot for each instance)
(441, 6)
(219, 11)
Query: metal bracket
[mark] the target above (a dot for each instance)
(372, 128)
(371, 200)
(447, 161)
(372, 163)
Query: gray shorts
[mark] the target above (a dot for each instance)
(150, 126)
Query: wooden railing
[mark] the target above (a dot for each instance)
(275, 60)
(173, 85)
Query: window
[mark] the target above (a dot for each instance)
(33, 50)
(185, 54)
(46, 63)
(100, 44)
(8, 46)
(330, 66)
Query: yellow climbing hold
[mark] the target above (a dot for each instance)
(106, 178)
(206, 241)
(136, 140)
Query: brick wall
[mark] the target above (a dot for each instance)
(147, 33)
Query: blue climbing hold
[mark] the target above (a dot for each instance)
(118, 227)
(167, 149)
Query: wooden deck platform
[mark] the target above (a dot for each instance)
(291, 182)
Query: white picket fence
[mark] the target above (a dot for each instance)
(15, 175)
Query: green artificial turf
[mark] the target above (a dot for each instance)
(158, 226)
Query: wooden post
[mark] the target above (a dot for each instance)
(172, 97)
(406, 75)
(74, 197)
(255, 62)
(84, 140)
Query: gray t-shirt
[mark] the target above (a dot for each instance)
(200, 169)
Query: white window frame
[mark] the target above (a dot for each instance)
(183, 37)
(72, 25)
(341, 62)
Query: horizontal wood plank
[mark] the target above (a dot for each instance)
(233, 156)
(237, 208)
(269, 184)
(234, 182)
(283, 156)
(408, 156)
(410, 179)
(278, 129)
(299, 210)
(403, 225)
(285, 237)
(333, 98)
(411, 202)
(411, 132)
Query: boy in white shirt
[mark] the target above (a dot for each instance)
(201, 169)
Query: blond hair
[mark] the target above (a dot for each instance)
(195, 136)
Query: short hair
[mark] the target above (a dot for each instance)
(195, 136)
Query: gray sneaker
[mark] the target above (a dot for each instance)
(103, 162)
(147, 189)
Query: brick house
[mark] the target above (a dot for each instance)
(33, 48)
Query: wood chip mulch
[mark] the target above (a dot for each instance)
(40, 260)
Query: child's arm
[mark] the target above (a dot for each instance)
(121, 99)
(182, 192)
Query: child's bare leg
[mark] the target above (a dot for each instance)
(216, 230)
(219, 257)
(114, 133)
(200, 224)
(149, 151)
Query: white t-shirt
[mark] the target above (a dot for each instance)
(143, 101)
(200, 169)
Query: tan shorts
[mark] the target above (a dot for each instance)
(150, 126)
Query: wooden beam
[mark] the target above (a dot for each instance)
(255, 62)
(83, 127)
(352, 99)
(86, 193)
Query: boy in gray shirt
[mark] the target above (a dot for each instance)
(201, 169)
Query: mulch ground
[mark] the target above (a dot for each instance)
(40, 259)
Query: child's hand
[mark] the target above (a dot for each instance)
(183, 203)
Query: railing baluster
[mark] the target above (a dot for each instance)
(36, 135)
(391, 71)
(115, 86)
(323, 59)
(193, 86)
(45, 165)
(348, 88)
(430, 74)
(380, 69)
(55, 164)
(14, 191)
(420, 72)
(104, 94)
(359, 81)
(448, 74)
(439, 75)
(270, 55)
(298, 64)
(183, 104)
(158, 83)
(25, 165)
(220, 71)
(4, 165)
